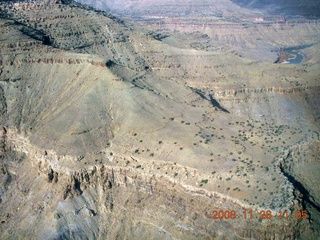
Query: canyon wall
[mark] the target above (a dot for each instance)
(111, 131)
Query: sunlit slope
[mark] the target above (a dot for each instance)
(74, 103)
(102, 119)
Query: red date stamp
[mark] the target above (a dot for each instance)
(263, 214)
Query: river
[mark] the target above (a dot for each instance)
(295, 51)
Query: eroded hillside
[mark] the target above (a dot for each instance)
(108, 132)
(255, 30)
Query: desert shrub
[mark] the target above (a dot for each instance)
(204, 181)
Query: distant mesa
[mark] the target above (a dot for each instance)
(306, 8)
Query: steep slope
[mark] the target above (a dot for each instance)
(62, 85)
(108, 132)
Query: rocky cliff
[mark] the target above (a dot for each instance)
(109, 131)
(107, 200)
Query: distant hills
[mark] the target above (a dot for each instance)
(306, 8)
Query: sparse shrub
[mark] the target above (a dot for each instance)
(204, 181)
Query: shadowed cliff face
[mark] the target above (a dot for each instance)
(307, 8)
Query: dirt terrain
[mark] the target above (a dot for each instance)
(112, 129)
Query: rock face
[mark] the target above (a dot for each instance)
(300, 171)
(112, 131)
(103, 202)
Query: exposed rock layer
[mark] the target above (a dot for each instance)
(110, 133)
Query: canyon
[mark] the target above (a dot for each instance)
(116, 126)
